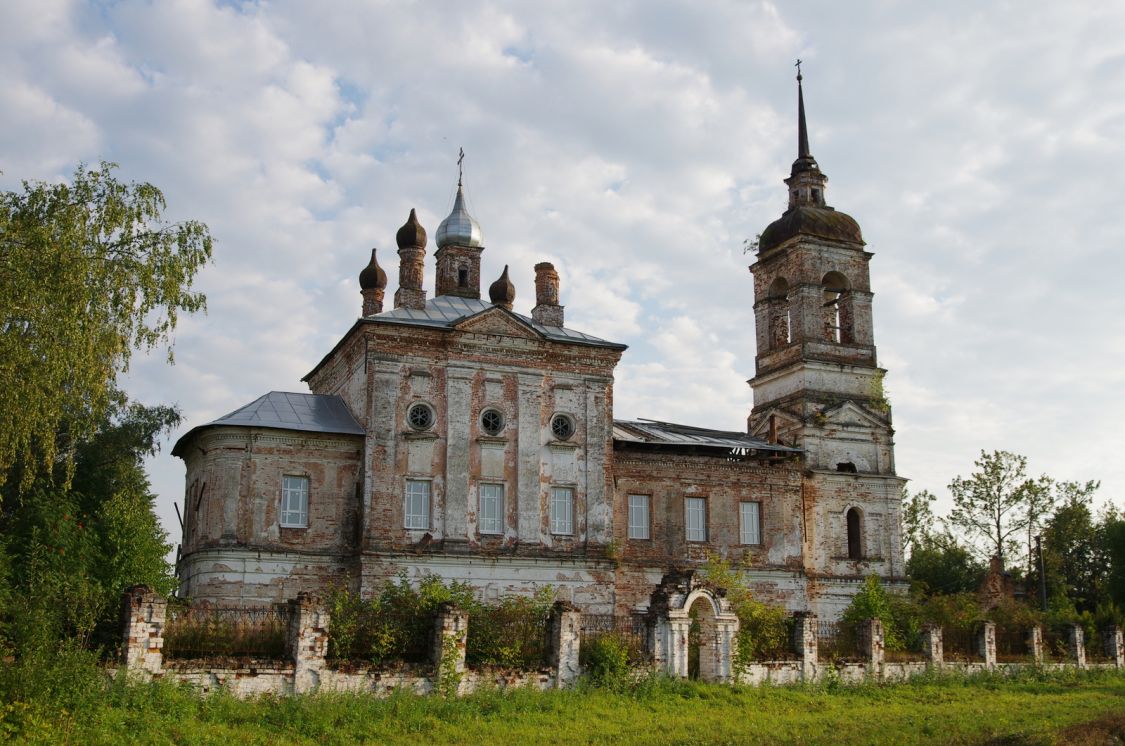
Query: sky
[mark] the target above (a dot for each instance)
(637, 146)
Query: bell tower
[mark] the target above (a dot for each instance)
(817, 382)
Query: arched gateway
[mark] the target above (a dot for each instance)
(680, 600)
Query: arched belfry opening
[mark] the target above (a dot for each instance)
(693, 628)
(779, 321)
(838, 325)
(855, 534)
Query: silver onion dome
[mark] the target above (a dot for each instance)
(459, 229)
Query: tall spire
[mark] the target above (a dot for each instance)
(802, 130)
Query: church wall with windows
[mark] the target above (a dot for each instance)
(448, 434)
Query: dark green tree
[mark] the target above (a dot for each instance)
(942, 565)
(68, 552)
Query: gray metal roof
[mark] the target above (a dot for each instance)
(668, 433)
(447, 310)
(284, 410)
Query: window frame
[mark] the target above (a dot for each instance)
(432, 415)
(427, 506)
(647, 518)
(502, 421)
(742, 505)
(285, 512)
(690, 501)
(568, 503)
(495, 525)
(854, 534)
(571, 423)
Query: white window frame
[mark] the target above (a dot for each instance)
(294, 511)
(416, 504)
(490, 517)
(695, 519)
(640, 512)
(750, 522)
(562, 511)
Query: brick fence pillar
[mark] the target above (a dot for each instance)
(986, 643)
(871, 646)
(143, 613)
(308, 641)
(566, 643)
(1035, 643)
(933, 644)
(451, 637)
(1076, 642)
(1112, 645)
(805, 643)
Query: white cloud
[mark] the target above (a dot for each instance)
(636, 145)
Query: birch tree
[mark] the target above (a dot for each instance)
(89, 273)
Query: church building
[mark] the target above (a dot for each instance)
(448, 434)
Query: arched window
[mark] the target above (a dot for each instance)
(779, 314)
(855, 534)
(837, 319)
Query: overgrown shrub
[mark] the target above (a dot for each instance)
(396, 625)
(764, 631)
(872, 602)
(511, 633)
(605, 659)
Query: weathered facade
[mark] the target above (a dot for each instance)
(454, 436)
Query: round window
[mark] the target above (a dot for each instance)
(492, 421)
(420, 416)
(562, 427)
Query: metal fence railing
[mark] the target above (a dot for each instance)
(960, 644)
(912, 649)
(1095, 650)
(1011, 644)
(205, 632)
(511, 636)
(631, 630)
(837, 641)
(1056, 644)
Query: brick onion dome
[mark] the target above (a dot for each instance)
(502, 292)
(372, 277)
(411, 233)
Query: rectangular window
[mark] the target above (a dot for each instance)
(492, 508)
(562, 510)
(750, 523)
(695, 518)
(638, 516)
(294, 502)
(417, 512)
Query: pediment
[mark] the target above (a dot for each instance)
(850, 414)
(786, 421)
(497, 321)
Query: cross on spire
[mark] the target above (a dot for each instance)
(460, 160)
(798, 66)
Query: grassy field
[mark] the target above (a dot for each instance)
(1033, 709)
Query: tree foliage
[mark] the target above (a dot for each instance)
(67, 553)
(993, 506)
(942, 565)
(918, 521)
(89, 272)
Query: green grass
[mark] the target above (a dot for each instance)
(1030, 709)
